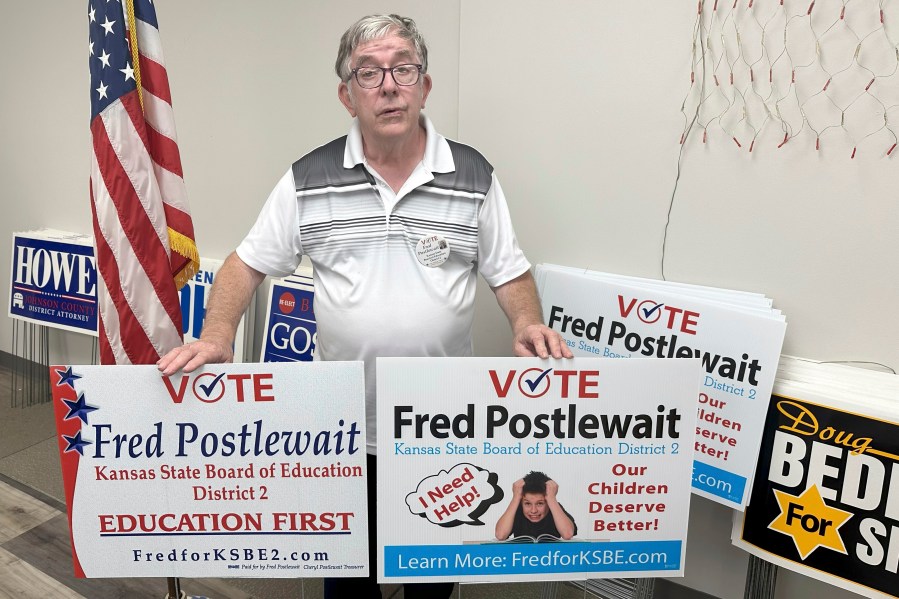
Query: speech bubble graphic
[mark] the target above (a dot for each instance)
(456, 496)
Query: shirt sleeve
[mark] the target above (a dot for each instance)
(499, 258)
(273, 245)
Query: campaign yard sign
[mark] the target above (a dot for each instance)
(459, 438)
(737, 337)
(825, 499)
(54, 283)
(239, 470)
(54, 280)
(290, 331)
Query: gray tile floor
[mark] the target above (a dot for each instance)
(35, 558)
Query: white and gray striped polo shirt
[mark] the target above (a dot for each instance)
(372, 295)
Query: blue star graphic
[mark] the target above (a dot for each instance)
(67, 377)
(78, 409)
(76, 443)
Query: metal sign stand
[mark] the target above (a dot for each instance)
(761, 578)
(609, 588)
(31, 359)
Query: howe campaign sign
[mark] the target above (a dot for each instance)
(54, 284)
(253, 470)
(736, 336)
(54, 280)
(526, 469)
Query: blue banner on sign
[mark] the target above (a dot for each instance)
(531, 558)
(718, 482)
(290, 335)
(54, 283)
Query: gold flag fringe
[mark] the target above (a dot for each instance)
(185, 246)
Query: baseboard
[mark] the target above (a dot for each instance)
(39, 495)
(12, 361)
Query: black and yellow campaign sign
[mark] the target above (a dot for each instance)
(825, 499)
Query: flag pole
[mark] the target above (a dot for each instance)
(173, 583)
(174, 589)
(135, 54)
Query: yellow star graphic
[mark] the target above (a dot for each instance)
(809, 521)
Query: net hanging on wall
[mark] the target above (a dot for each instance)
(811, 70)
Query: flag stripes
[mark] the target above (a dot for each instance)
(142, 224)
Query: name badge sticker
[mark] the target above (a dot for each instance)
(432, 251)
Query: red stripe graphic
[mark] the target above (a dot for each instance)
(68, 460)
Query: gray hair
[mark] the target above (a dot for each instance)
(375, 27)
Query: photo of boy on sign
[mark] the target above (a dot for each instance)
(534, 513)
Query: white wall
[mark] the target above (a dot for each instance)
(576, 104)
(579, 111)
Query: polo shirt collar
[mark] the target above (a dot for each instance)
(438, 157)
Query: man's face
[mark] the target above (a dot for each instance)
(390, 111)
(533, 506)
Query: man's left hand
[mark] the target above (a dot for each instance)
(541, 341)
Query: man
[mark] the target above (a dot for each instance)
(534, 511)
(397, 222)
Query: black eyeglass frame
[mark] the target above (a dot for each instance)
(354, 74)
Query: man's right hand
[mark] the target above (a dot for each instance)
(191, 356)
(231, 291)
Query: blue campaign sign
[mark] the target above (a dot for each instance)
(290, 334)
(54, 282)
(194, 297)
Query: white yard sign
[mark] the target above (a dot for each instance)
(482, 462)
(736, 336)
(235, 470)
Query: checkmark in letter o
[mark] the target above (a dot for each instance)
(532, 379)
(205, 384)
(649, 311)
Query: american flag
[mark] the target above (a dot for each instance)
(142, 227)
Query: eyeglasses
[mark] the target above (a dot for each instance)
(372, 77)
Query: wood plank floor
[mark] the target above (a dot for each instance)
(36, 558)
